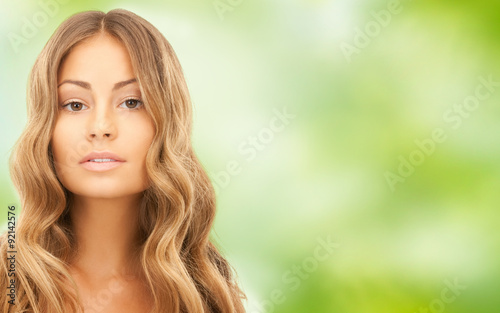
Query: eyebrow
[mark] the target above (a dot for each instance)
(86, 85)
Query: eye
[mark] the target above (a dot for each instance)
(131, 103)
(74, 106)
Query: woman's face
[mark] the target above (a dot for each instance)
(99, 110)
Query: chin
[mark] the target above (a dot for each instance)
(98, 194)
(104, 192)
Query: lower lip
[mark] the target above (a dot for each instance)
(101, 166)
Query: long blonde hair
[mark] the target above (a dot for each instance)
(184, 270)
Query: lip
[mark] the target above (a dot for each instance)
(101, 166)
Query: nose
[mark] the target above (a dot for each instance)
(102, 124)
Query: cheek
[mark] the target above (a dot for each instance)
(59, 141)
(140, 136)
(65, 145)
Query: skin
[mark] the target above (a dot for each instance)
(106, 204)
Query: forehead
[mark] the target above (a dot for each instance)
(97, 59)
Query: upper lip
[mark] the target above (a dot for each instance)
(101, 155)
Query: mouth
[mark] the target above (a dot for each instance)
(101, 161)
(101, 165)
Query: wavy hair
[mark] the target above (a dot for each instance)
(184, 270)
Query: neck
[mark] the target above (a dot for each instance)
(106, 232)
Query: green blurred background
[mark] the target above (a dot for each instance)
(364, 84)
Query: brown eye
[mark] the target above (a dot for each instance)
(74, 106)
(132, 103)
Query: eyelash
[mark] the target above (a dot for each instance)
(139, 104)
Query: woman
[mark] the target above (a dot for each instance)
(116, 208)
